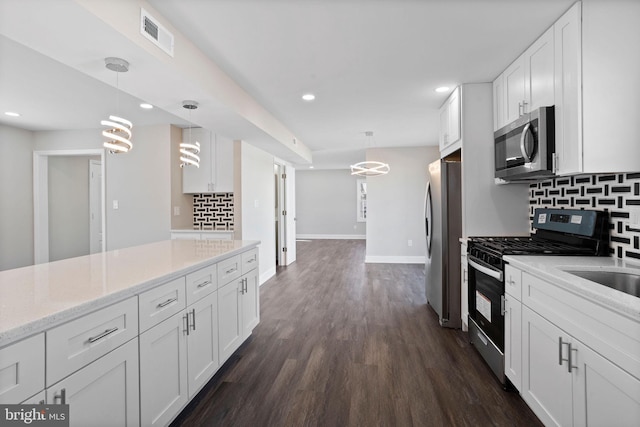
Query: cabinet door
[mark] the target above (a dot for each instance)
(229, 319)
(454, 116)
(106, 389)
(22, 370)
(513, 340)
(163, 371)
(199, 179)
(224, 164)
(546, 384)
(250, 303)
(202, 343)
(514, 88)
(464, 288)
(539, 73)
(443, 136)
(568, 90)
(498, 103)
(602, 392)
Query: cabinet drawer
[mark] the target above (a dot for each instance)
(161, 303)
(513, 282)
(22, 370)
(249, 260)
(201, 283)
(79, 342)
(229, 269)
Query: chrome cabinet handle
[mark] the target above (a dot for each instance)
(203, 284)
(519, 109)
(186, 318)
(570, 365)
(251, 260)
(231, 270)
(242, 286)
(560, 358)
(102, 335)
(62, 396)
(167, 302)
(193, 317)
(503, 305)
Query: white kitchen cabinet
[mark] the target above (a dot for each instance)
(163, 371)
(539, 73)
(250, 303)
(202, 342)
(230, 333)
(38, 399)
(499, 113)
(595, 130)
(215, 174)
(22, 368)
(513, 326)
(464, 287)
(514, 90)
(546, 382)
(449, 132)
(106, 389)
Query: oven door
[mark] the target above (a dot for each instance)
(486, 299)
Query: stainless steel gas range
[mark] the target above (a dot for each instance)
(558, 232)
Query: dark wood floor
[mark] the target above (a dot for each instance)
(344, 343)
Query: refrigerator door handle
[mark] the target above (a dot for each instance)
(486, 270)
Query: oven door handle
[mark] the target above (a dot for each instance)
(486, 270)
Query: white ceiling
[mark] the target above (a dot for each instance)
(372, 64)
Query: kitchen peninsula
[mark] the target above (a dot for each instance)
(133, 333)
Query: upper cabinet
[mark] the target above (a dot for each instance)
(449, 133)
(526, 84)
(215, 174)
(583, 65)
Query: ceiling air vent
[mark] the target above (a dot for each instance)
(154, 31)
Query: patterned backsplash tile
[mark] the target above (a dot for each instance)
(213, 211)
(616, 193)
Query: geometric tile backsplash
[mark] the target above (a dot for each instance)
(213, 211)
(616, 193)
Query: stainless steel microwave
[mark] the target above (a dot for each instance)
(524, 149)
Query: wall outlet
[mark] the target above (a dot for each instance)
(409, 243)
(634, 217)
(176, 211)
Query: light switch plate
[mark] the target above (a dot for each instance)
(634, 217)
(115, 204)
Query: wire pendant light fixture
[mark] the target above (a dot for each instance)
(118, 133)
(370, 167)
(189, 150)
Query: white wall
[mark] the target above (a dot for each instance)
(139, 180)
(396, 205)
(255, 203)
(326, 205)
(16, 197)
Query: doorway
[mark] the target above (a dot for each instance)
(62, 191)
(285, 220)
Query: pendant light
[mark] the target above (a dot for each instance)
(189, 150)
(119, 133)
(370, 167)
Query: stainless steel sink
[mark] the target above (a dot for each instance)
(624, 281)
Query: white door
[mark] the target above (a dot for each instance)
(250, 303)
(290, 217)
(106, 389)
(603, 394)
(229, 319)
(95, 206)
(546, 382)
(163, 371)
(202, 343)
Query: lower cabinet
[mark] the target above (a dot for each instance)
(106, 389)
(513, 340)
(239, 312)
(202, 343)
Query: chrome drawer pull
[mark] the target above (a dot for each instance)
(62, 396)
(193, 316)
(167, 302)
(251, 260)
(102, 335)
(231, 271)
(203, 284)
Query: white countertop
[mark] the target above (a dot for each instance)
(190, 230)
(39, 297)
(551, 268)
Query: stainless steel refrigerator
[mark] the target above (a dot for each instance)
(443, 224)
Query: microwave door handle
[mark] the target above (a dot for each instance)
(488, 271)
(523, 136)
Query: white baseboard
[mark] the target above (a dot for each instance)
(331, 236)
(371, 259)
(267, 275)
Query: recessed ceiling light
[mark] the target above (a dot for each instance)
(146, 106)
(442, 89)
(308, 97)
(12, 114)
(311, 167)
